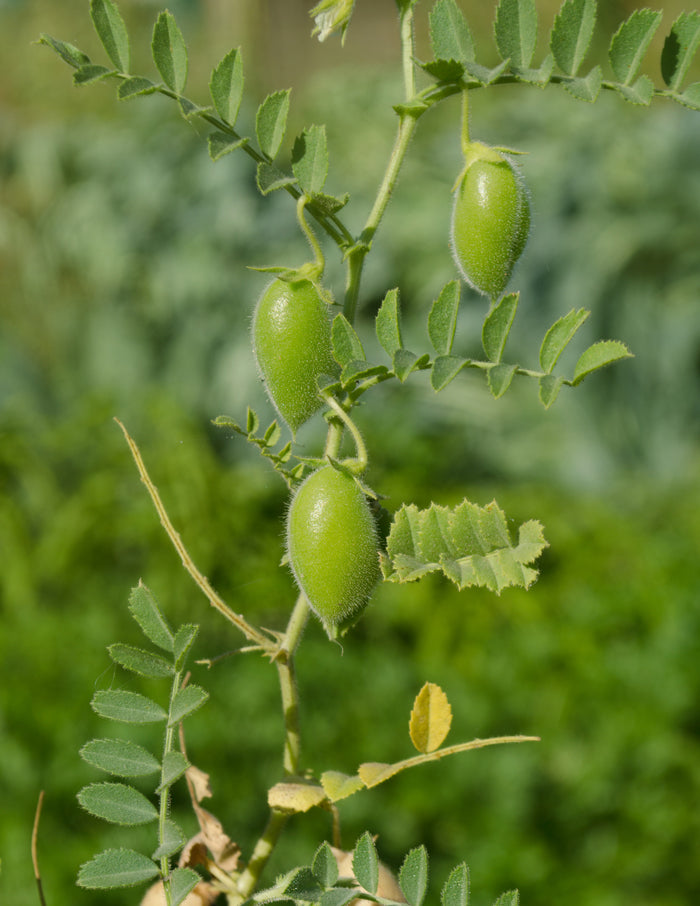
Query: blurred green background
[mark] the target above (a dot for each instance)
(124, 292)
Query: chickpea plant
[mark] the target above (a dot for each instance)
(340, 540)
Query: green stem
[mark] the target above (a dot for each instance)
(319, 260)
(465, 121)
(165, 792)
(261, 853)
(288, 685)
(409, 76)
(361, 461)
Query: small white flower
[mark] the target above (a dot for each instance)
(331, 16)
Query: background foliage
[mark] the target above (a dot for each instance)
(124, 291)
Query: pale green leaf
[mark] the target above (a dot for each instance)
(679, 48)
(549, 387)
(183, 642)
(443, 70)
(169, 52)
(442, 320)
(691, 96)
(128, 707)
(516, 31)
(639, 92)
(559, 336)
(387, 324)
(112, 32)
(310, 159)
(497, 327)
(172, 841)
(182, 882)
(67, 52)
(572, 33)
(365, 863)
(174, 766)
(372, 773)
(145, 610)
(136, 86)
(116, 868)
(324, 866)
(404, 362)
(303, 886)
(511, 898)
(139, 661)
(120, 757)
(346, 343)
(600, 354)
(587, 88)
(270, 178)
(339, 786)
(450, 37)
(455, 891)
(91, 72)
(445, 369)
(413, 876)
(630, 43)
(499, 378)
(185, 702)
(271, 122)
(328, 204)
(431, 718)
(226, 86)
(338, 896)
(117, 803)
(470, 544)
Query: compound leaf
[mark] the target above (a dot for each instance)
(271, 122)
(112, 32)
(116, 868)
(630, 43)
(600, 354)
(413, 876)
(679, 48)
(516, 31)
(117, 803)
(170, 52)
(226, 86)
(450, 37)
(120, 757)
(431, 718)
(572, 33)
(469, 544)
(310, 159)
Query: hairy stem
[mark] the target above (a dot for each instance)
(165, 792)
(288, 685)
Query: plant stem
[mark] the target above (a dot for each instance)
(465, 121)
(284, 662)
(261, 853)
(165, 791)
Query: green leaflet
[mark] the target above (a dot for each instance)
(469, 544)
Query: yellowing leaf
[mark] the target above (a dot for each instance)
(295, 797)
(431, 718)
(339, 786)
(373, 773)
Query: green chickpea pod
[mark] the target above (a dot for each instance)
(293, 348)
(490, 219)
(332, 544)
